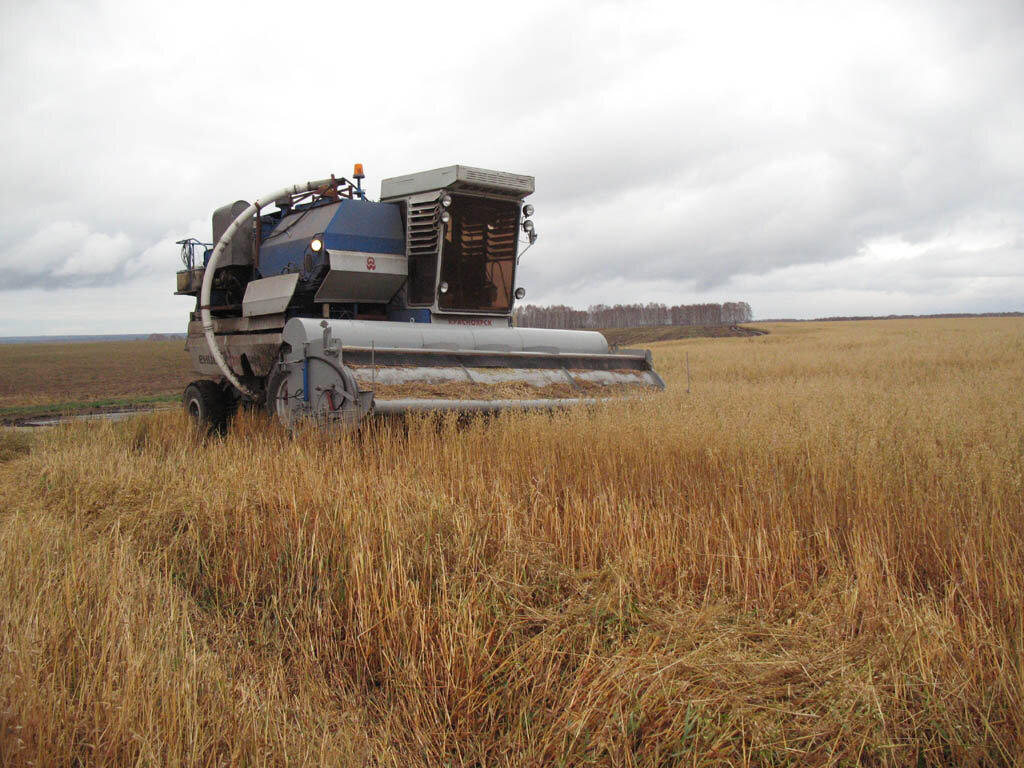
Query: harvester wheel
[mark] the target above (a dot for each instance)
(277, 396)
(207, 404)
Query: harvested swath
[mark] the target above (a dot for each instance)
(503, 391)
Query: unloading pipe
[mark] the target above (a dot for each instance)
(211, 267)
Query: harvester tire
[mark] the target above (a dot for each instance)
(275, 380)
(207, 404)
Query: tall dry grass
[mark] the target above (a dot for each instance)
(814, 558)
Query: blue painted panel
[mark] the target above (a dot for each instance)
(343, 241)
(409, 315)
(360, 225)
(280, 258)
(353, 225)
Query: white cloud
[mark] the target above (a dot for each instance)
(97, 254)
(62, 251)
(163, 256)
(44, 251)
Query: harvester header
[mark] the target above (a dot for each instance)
(321, 304)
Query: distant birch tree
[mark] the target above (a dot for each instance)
(632, 315)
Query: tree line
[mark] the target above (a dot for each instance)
(633, 315)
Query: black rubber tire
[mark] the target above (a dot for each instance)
(274, 382)
(207, 404)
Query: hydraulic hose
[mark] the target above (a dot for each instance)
(211, 267)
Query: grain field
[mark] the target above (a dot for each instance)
(814, 557)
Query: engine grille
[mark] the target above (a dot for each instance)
(485, 179)
(423, 241)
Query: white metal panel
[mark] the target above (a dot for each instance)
(414, 183)
(269, 296)
(362, 277)
(391, 335)
(456, 177)
(471, 321)
(370, 263)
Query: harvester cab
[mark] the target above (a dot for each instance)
(324, 305)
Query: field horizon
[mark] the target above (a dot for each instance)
(44, 380)
(165, 335)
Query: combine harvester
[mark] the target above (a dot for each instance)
(320, 304)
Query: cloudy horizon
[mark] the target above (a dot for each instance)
(810, 159)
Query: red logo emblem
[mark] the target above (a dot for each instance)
(371, 263)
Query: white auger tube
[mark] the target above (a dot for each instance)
(211, 267)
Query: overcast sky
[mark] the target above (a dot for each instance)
(810, 158)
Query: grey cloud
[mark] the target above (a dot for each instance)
(884, 155)
(66, 254)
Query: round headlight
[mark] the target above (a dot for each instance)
(445, 217)
(527, 210)
(528, 226)
(446, 200)
(520, 293)
(443, 287)
(316, 244)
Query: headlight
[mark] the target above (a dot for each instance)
(445, 217)
(528, 226)
(443, 287)
(446, 200)
(316, 244)
(520, 293)
(527, 210)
